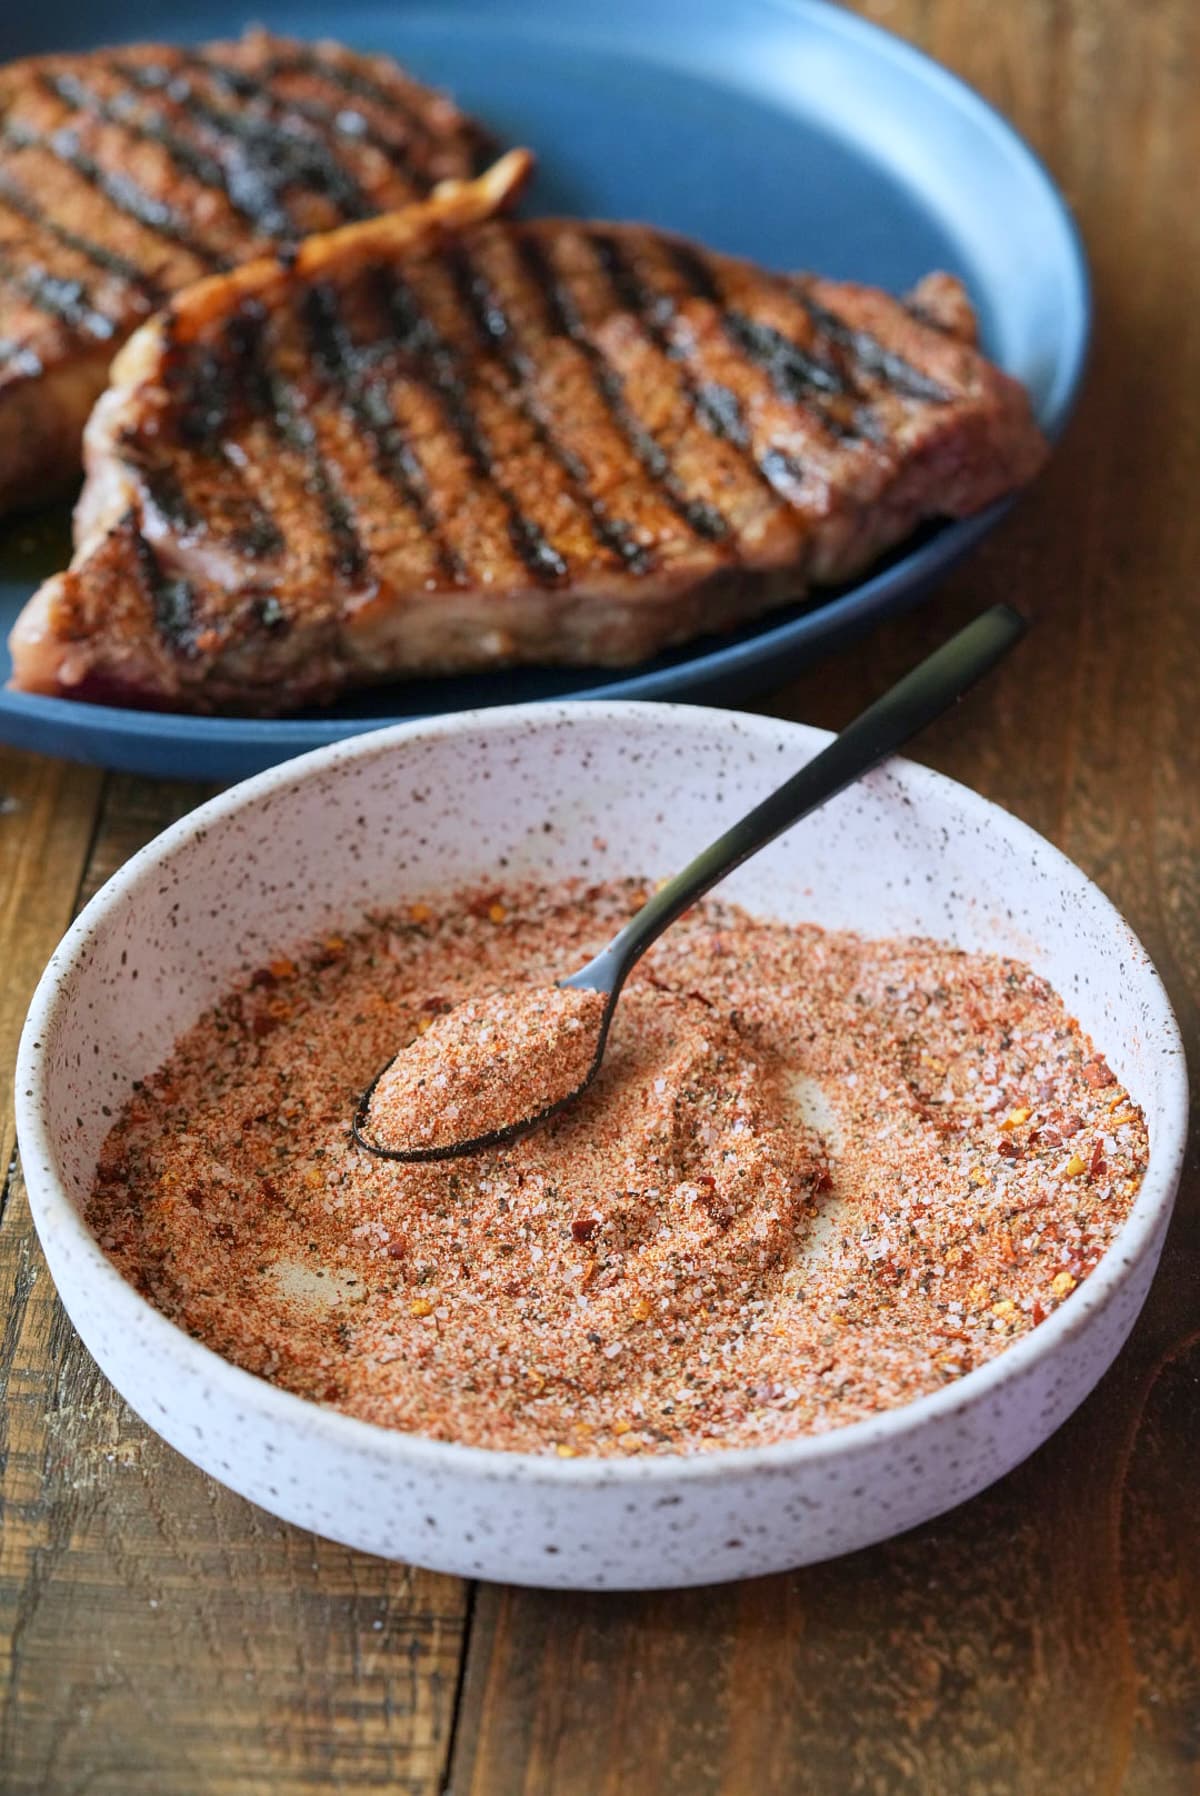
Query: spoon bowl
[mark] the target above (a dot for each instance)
(510, 1131)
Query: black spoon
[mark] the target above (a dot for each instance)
(891, 721)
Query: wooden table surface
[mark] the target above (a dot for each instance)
(163, 1638)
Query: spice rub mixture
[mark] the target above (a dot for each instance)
(816, 1177)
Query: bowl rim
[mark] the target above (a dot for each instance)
(55, 1215)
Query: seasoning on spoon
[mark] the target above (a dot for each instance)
(484, 1068)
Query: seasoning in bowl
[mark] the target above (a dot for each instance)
(816, 1177)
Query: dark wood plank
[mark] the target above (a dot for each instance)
(1045, 1638)
(162, 1637)
(47, 812)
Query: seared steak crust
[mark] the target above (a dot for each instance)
(125, 174)
(431, 444)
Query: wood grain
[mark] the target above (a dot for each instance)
(163, 1636)
(46, 814)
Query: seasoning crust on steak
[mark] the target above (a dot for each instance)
(430, 443)
(126, 174)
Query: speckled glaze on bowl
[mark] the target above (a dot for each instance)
(603, 789)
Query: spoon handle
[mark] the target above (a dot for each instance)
(883, 727)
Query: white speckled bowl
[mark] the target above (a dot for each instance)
(606, 789)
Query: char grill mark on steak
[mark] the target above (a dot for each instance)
(18, 360)
(365, 393)
(171, 599)
(437, 363)
(798, 376)
(353, 82)
(718, 410)
(120, 190)
(927, 319)
(874, 357)
(209, 388)
(254, 531)
(256, 204)
(564, 318)
(272, 397)
(499, 338)
(61, 298)
(800, 379)
(106, 260)
(347, 556)
(162, 486)
(266, 159)
(210, 384)
(249, 185)
(251, 530)
(336, 118)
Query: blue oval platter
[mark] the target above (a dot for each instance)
(785, 130)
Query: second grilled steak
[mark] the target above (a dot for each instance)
(126, 174)
(433, 444)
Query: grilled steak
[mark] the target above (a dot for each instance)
(126, 174)
(429, 444)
